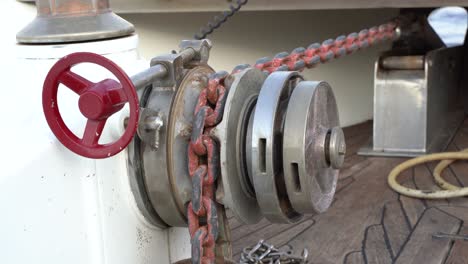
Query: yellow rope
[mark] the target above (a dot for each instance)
(449, 190)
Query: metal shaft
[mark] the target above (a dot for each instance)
(415, 62)
(188, 54)
(150, 75)
(450, 236)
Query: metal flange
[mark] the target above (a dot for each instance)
(267, 137)
(311, 117)
(136, 173)
(239, 194)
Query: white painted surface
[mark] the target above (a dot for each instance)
(57, 206)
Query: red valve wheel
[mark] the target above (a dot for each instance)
(97, 102)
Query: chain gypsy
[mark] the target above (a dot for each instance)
(203, 152)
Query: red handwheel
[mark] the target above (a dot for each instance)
(97, 102)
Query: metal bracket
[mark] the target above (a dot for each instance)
(416, 111)
(192, 53)
(175, 69)
(201, 47)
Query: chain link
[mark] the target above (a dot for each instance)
(203, 150)
(218, 20)
(305, 58)
(204, 169)
(263, 252)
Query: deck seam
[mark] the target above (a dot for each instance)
(405, 214)
(349, 253)
(302, 232)
(458, 231)
(411, 234)
(267, 225)
(366, 233)
(386, 238)
(294, 225)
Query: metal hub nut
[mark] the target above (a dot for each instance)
(336, 148)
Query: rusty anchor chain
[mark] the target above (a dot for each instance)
(204, 169)
(316, 53)
(203, 150)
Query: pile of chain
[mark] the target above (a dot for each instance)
(263, 252)
(203, 151)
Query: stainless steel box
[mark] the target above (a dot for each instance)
(416, 103)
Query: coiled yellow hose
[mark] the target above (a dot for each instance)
(449, 190)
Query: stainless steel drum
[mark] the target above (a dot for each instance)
(281, 146)
(232, 133)
(313, 147)
(267, 144)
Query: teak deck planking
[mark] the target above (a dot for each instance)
(368, 222)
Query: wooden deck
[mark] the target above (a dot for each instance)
(368, 222)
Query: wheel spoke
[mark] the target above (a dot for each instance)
(75, 82)
(93, 132)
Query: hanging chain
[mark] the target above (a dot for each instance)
(263, 252)
(220, 19)
(204, 169)
(203, 150)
